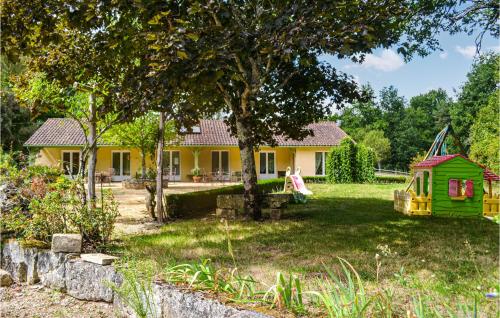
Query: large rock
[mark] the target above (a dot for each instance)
(5, 278)
(88, 281)
(66, 243)
(52, 270)
(20, 262)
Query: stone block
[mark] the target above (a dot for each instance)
(5, 278)
(89, 281)
(274, 214)
(276, 200)
(98, 258)
(225, 213)
(230, 201)
(66, 243)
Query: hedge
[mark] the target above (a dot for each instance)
(350, 163)
(390, 179)
(200, 203)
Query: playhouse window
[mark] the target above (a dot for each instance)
(460, 188)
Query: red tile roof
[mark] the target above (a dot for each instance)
(437, 160)
(489, 175)
(67, 132)
(57, 132)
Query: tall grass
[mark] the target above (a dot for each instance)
(286, 294)
(341, 297)
(136, 289)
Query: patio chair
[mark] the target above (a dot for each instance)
(107, 175)
(236, 176)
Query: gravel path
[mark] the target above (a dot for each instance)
(36, 301)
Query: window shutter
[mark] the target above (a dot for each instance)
(453, 188)
(469, 188)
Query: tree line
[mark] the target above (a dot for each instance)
(400, 130)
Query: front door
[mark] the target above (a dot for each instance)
(121, 165)
(172, 165)
(267, 164)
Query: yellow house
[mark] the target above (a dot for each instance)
(210, 147)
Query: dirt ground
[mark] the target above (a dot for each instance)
(22, 301)
(133, 218)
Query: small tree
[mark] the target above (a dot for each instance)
(142, 133)
(485, 132)
(381, 145)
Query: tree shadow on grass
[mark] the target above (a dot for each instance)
(315, 233)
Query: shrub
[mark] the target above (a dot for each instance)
(59, 207)
(350, 162)
(314, 179)
(390, 179)
(199, 203)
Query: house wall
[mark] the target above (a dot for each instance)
(305, 158)
(284, 156)
(456, 168)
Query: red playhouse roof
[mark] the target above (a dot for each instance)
(437, 160)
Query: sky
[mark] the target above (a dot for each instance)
(445, 69)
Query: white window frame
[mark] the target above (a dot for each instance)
(172, 177)
(324, 155)
(118, 175)
(268, 175)
(71, 152)
(220, 161)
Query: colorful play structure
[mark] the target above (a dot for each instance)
(295, 182)
(448, 185)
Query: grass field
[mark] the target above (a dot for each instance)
(456, 259)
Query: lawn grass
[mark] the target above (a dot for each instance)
(449, 257)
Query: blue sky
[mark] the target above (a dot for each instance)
(445, 69)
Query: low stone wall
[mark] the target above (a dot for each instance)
(65, 272)
(231, 205)
(68, 273)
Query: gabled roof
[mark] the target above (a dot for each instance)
(216, 133)
(67, 132)
(57, 132)
(437, 160)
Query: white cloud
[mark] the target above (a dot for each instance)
(443, 55)
(495, 49)
(467, 51)
(388, 61)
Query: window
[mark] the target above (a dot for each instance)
(121, 164)
(220, 161)
(267, 164)
(172, 164)
(460, 189)
(71, 162)
(320, 163)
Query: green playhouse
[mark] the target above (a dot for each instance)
(449, 185)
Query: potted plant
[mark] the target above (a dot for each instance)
(196, 172)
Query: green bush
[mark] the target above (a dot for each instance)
(200, 203)
(390, 179)
(314, 179)
(350, 163)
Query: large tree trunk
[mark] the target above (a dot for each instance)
(92, 151)
(249, 174)
(159, 170)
